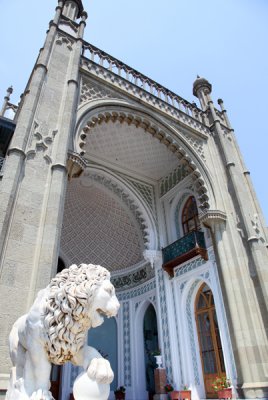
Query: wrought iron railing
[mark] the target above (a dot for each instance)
(183, 249)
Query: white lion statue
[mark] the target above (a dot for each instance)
(55, 331)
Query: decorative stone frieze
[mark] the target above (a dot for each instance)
(172, 179)
(136, 84)
(197, 145)
(140, 290)
(93, 91)
(133, 279)
(146, 191)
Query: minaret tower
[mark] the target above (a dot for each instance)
(32, 189)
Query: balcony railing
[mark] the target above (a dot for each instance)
(152, 88)
(184, 249)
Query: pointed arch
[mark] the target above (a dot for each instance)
(140, 380)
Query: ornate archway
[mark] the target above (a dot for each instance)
(103, 112)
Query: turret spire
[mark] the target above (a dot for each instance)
(73, 9)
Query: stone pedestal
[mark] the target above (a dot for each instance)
(160, 397)
(160, 380)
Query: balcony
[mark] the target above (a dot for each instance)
(185, 248)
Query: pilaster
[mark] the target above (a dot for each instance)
(32, 191)
(247, 333)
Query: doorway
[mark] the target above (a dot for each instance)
(209, 339)
(55, 378)
(104, 339)
(150, 335)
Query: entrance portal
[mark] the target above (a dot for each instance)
(209, 339)
(150, 346)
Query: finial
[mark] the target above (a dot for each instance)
(201, 83)
(6, 101)
(202, 89)
(10, 89)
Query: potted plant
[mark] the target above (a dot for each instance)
(185, 393)
(158, 357)
(222, 386)
(120, 393)
(169, 389)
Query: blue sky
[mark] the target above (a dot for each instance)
(223, 40)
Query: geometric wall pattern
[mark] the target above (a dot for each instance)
(130, 148)
(177, 216)
(191, 331)
(123, 197)
(177, 334)
(93, 91)
(126, 344)
(164, 325)
(146, 191)
(97, 229)
(139, 291)
(173, 178)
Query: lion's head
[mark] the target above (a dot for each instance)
(78, 299)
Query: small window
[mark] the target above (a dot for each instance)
(190, 220)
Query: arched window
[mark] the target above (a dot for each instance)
(190, 220)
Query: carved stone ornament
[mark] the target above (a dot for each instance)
(75, 165)
(211, 217)
(55, 331)
(153, 256)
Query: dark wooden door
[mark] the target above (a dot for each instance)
(209, 339)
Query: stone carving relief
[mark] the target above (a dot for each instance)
(256, 225)
(93, 91)
(171, 180)
(55, 331)
(42, 141)
(146, 191)
(62, 39)
(197, 145)
(133, 279)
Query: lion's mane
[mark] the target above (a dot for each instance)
(66, 318)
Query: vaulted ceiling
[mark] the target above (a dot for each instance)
(131, 149)
(98, 229)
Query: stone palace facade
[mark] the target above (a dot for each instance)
(100, 164)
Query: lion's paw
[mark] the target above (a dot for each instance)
(100, 370)
(42, 395)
